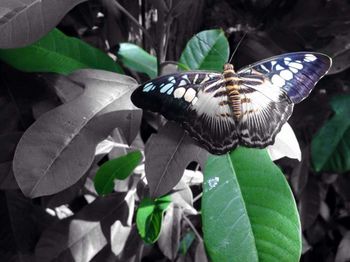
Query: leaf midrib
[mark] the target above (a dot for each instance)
(241, 198)
(75, 135)
(168, 163)
(210, 50)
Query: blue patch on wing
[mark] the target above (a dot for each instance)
(295, 73)
(148, 87)
(168, 88)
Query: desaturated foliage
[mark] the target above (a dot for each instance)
(87, 176)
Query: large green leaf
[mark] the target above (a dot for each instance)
(135, 58)
(149, 217)
(207, 50)
(330, 148)
(119, 168)
(58, 53)
(248, 210)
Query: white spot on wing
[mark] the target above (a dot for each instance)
(278, 67)
(295, 65)
(194, 101)
(190, 95)
(278, 81)
(147, 87)
(185, 77)
(182, 83)
(310, 58)
(264, 68)
(294, 70)
(165, 88)
(195, 79)
(179, 92)
(286, 74)
(287, 60)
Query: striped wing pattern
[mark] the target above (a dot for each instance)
(268, 91)
(294, 73)
(286, 79)
(198, 101)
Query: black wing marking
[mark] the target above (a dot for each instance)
(198, 101)
(172, 95)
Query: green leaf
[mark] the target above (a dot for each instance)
(119, 168)
(137, 59)
(149, 217)
(248, 210)
(330, 148)
(58, 53)
(207, 50)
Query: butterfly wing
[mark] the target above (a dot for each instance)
(270, 88)
(294, 73)
(262, 118)
(198, 101)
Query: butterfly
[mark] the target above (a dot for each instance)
(247, 107)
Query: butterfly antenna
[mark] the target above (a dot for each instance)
(239, 43)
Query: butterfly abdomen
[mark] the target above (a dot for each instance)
(232, 86)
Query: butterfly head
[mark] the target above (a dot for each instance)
(228, 67)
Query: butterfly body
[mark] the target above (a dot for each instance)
(247, 107)
(232, 83)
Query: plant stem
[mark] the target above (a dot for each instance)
(147, 35)
(193, 228)
(197, 197)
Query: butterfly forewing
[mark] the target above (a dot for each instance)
(296, 74)
(198, 101)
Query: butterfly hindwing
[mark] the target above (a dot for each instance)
(211, 121)
(198, 101)
(262, 118)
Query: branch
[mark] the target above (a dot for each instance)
(193, 228)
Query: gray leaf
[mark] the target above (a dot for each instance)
(59, 147)
(167, 155)
(24, 22)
